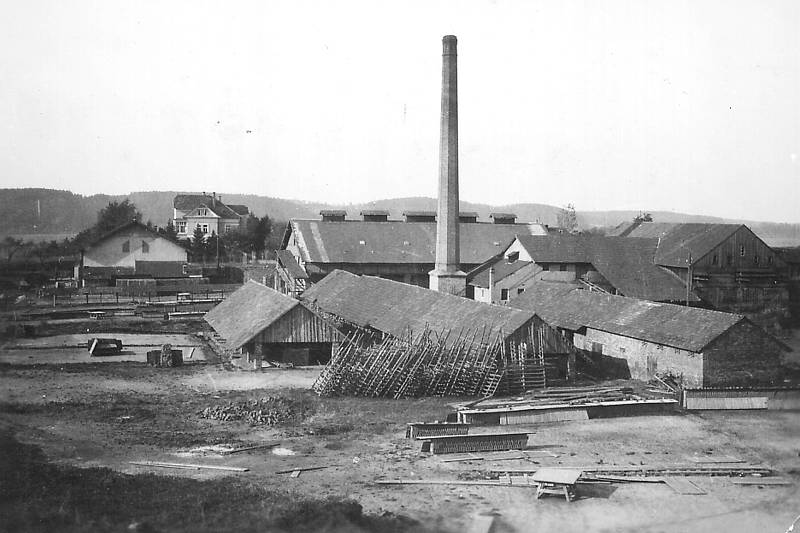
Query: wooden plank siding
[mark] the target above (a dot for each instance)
(731, 248)
(298, 325)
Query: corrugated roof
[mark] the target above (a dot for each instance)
(248, 311)
(678, 241)
(289, 262)
(398, 308)
(627, 263)
(565, 306)
(396, 241)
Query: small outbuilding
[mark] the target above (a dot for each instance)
(696, 347)
(260, 323)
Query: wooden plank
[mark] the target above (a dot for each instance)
(627, 479)
(509, 482)
(188, 466)
(758, 402)
(554, 415)
(295, 473)
(301, 469)
(556, 475)
(249, 448)
(760, 481)
(681, 485)
(717, 459)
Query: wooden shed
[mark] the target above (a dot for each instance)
(259, 323)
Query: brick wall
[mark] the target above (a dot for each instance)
(743, 355)
(645, 359)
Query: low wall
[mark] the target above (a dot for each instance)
(777, 398)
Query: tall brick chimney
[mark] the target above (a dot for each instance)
(446, 276)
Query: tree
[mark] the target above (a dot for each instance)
(643, 217)
(213, 247)
(198, 245)
(115, 214)
(250, 237)
(169, 230)
(11, 246)
(567, 219)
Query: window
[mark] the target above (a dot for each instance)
(730, 259)
(204, 227)
(741, 250)
(562, 268)
(145, 248)
(504, 295)
(597, 347)
(230, 227)
(520, 290)
(126, 246)
(545, 267)
(714, 259)
(202, 212)
(769, 260)
(756, 259)
(180, 227)
(512, 257)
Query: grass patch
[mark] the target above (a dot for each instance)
(37, 496)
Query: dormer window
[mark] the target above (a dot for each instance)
(513, 256)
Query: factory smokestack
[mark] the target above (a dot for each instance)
(446, 276)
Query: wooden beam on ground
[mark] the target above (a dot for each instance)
(301, 469)
(249, 448)
(760, 481)
(188, 466)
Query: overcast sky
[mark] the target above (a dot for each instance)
(688, 106)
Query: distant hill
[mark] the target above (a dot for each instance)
(64, 213)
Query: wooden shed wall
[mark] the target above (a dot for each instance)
(732, 247)
(299, 325)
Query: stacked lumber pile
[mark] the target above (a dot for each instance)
(467, 363)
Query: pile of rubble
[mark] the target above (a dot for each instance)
(268, 411)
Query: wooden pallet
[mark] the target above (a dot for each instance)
(488, 442)
(435, 429)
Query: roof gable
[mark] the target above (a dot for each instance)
(565, 306)
(138, 225)
(189, 203)
(247, 311)
(679, 242)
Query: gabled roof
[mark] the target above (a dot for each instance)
(289, 262)
(399, 309)
(565, 306)
(190, 202)
(134, 224)
(502, 269)
(627, 263)
(248, 311)
(679, 241)
(396, 241)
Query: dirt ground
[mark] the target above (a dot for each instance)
(107, 414)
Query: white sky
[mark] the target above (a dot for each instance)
(609, 104)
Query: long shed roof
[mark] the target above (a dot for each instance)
(248, 311)
(568, 307)
(397, 241)
(398, 308)
(678, 241)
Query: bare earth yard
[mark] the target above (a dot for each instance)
(63, 425)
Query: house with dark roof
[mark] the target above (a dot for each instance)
(696, 347)
(615, 265)
(258, 323)
(728, 265)
(401, 250)
(132, 249)
(206, 212)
